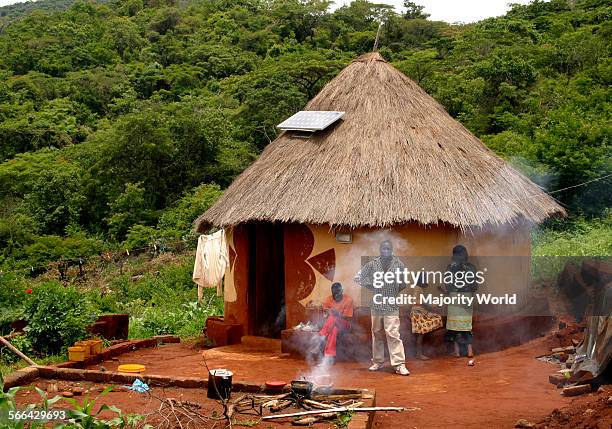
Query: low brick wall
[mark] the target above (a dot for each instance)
(120, 348)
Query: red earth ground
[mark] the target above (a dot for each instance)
(500, 389)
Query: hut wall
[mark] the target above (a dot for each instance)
(236, 278)
(314, 260)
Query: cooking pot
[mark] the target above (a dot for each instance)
(302, 388)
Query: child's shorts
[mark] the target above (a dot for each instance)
(462, 337)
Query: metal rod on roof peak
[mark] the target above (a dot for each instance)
(377, 37)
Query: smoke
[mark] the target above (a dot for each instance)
(366, 243)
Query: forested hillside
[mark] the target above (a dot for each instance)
(122, 121)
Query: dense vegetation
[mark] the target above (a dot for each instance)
(122, 121)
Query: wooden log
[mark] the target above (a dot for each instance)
(337, 397)
(318, 405)
(332, 410)
(308, 421)
(281, 406)
(16, 351)
(322, 406)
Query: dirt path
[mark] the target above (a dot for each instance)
(501, 388)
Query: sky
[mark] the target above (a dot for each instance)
(440, 10)
(455, 10)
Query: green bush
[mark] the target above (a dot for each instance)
(575, 237)
(57, 317)
(185, 320)
(13, 295)
(22, 343)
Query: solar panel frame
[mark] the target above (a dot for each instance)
(310, 120)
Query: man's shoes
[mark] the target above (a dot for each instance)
(376, 366)
(402, 370)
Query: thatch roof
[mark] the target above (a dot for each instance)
(396, 156)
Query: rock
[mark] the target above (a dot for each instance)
(67, 394)
(52, 388)
(609, 400)
(522, 423)
(601, 389)
(102, 369)
(556, 379)
(576, 390)
(78, 391)
(589, 411)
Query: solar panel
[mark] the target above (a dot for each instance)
(310, 120)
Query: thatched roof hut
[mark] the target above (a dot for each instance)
(396, 166)
(396, 156)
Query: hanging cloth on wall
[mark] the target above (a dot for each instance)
(210, 262)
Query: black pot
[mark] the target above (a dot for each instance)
(219, 384)
(301, 388)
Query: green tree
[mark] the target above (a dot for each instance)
(414, 11)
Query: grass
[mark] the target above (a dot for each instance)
(572, 240)
(578, 237)
(6, 368)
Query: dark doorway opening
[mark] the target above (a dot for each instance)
(266, 294)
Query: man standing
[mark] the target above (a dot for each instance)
(385, 316)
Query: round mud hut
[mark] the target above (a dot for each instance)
(396, 166)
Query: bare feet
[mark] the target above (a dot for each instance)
(470, 351)
(456, 350)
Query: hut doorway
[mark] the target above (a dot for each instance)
(266, 293)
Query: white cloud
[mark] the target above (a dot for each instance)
(455, 10)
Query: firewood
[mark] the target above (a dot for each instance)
(281, 406)
(318, 405)
(332, 410)
(337, 397)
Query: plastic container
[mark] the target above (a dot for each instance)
(275, 386)
(132, 368)
(86, 345)
(96, 346)
(76, 354)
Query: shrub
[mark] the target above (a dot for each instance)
(22, 343)
(185, 320)
(13, 295)
(57, 317)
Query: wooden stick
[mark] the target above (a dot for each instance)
(17, 352)
(337, 397)
(333, 410)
